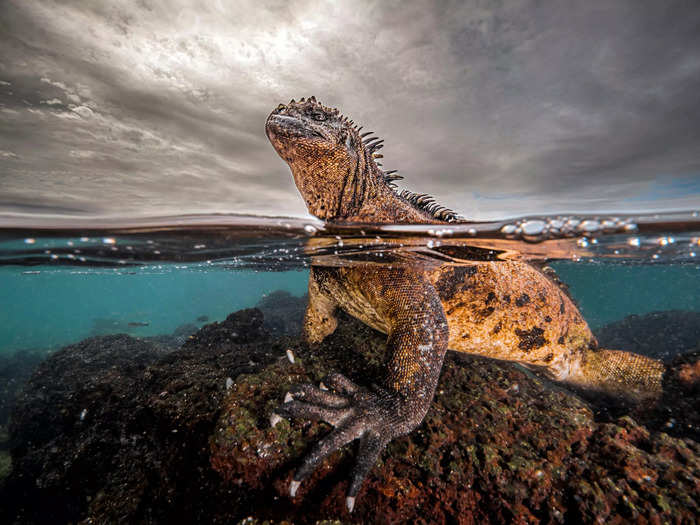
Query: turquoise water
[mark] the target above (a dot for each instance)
(45, 308)
(63, 287)
(610, 292)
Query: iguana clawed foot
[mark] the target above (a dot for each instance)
(372, 416)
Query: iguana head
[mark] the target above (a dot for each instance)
(336, 171)
(333, 168)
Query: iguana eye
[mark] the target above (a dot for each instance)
(318, 116)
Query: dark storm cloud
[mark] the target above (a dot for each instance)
(158, 107)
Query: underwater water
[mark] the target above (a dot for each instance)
(122, 357)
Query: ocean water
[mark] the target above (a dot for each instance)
(62, 285)
(163, 279)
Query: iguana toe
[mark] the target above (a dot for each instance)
(356, 413)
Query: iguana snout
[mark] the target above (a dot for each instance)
(306, 130)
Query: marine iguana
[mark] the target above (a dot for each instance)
(508, 310)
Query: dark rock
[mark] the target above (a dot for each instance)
(244, 326)
(284, 312)
(15, 369)
(496, 446)
(167, 438)
(678, 411)
(116, 429)
(662, 335)
(186, 329)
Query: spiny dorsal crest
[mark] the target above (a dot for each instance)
(373, 144)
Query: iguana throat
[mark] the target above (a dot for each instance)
(336, 171)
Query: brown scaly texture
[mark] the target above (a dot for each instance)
(506, 310)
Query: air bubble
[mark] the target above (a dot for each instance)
(308, 228)
(509, 229)
(589, 225)
(534, 228)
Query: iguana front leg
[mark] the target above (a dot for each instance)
(416, 345)
(320, 320)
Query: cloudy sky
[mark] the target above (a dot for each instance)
(144, 107)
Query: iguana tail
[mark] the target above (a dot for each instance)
(620, 374)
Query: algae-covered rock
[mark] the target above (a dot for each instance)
(115, 429)
(496, 446)
(184, 437)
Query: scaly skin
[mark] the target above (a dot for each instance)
(506, 310)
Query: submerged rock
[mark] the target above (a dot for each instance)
(116, 429)
(140, 435)
(15, 369)
(284, 312)
(496, 446)
(662, 335)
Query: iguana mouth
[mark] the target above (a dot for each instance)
(288, 126)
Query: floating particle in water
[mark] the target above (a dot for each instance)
(290, 355)
(634, 241)
(109, 240)
(472, 232)
(29, 240)
(229, 383)
(83, 413)
(310, 229)
(430, 244)
(583, 242)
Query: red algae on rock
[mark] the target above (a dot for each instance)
(496, 446)
(184, 436)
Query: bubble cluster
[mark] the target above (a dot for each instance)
(540, 229)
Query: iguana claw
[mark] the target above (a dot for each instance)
(356, 413)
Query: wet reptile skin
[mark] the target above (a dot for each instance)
(506, 310)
